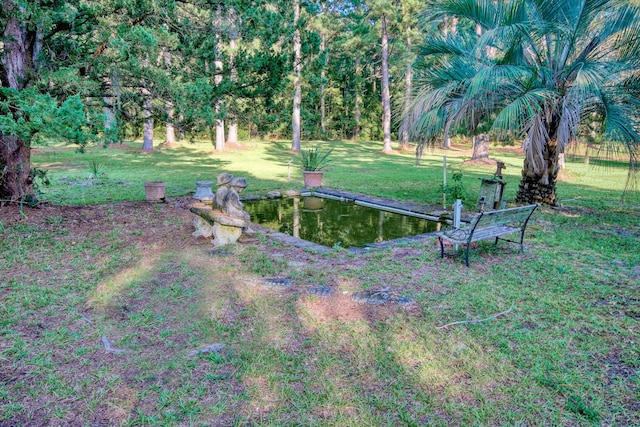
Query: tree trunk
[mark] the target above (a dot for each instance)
(356, 102)
(323, 76)
(586, 154)
(408, 81)
(446, 141)
(232, 118)
(171, 134)
(147, 114)
(16, 181)
(297, 69)
(171, 130)
(480, 147)
(217, 64)
(110, 126)
(540, 186)
(386, 97)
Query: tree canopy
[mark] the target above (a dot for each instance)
(105, 70)
(537, 70)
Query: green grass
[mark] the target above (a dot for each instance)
(104, 175)
(567, 353)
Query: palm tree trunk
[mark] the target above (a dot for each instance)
(539, 186)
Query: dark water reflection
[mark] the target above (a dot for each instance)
(329, 222)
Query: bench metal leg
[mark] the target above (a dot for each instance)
(441, 247)
(467, 257)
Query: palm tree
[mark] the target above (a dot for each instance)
(539, 70)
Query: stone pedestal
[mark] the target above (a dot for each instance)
(225, 234)
(225, 229)
(203, 227)
(203, 191)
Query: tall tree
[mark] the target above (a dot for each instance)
(409, 35)
(232, 18)
(41, 45)
(384, 11)
(557, 63)
(297, 85)
(384, 80)
(218, 64)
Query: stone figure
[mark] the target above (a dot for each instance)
(232, 204)
(223, 188)
(228, 219)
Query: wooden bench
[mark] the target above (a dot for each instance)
(489, 225)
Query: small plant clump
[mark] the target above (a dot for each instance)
(456, 189)
(313, 159)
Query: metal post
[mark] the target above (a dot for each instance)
(444, 182)
(457, 213)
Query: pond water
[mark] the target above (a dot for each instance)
(331, 222)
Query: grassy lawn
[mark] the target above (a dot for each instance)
(98, 262)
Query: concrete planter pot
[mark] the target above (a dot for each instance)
(154, 191)
(312, 179)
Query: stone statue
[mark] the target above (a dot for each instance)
(232, 204)
(223, 188)
(227, 219)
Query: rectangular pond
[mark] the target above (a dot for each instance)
(330, 222)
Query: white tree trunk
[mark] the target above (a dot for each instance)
(232, 136)
(171, 131)
(446, 141)
(147, 114)
(386, 97)
(217, 65)
(297, 69)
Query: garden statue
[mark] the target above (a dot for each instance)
(223, 188)
(232, 204)
(227, 220)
